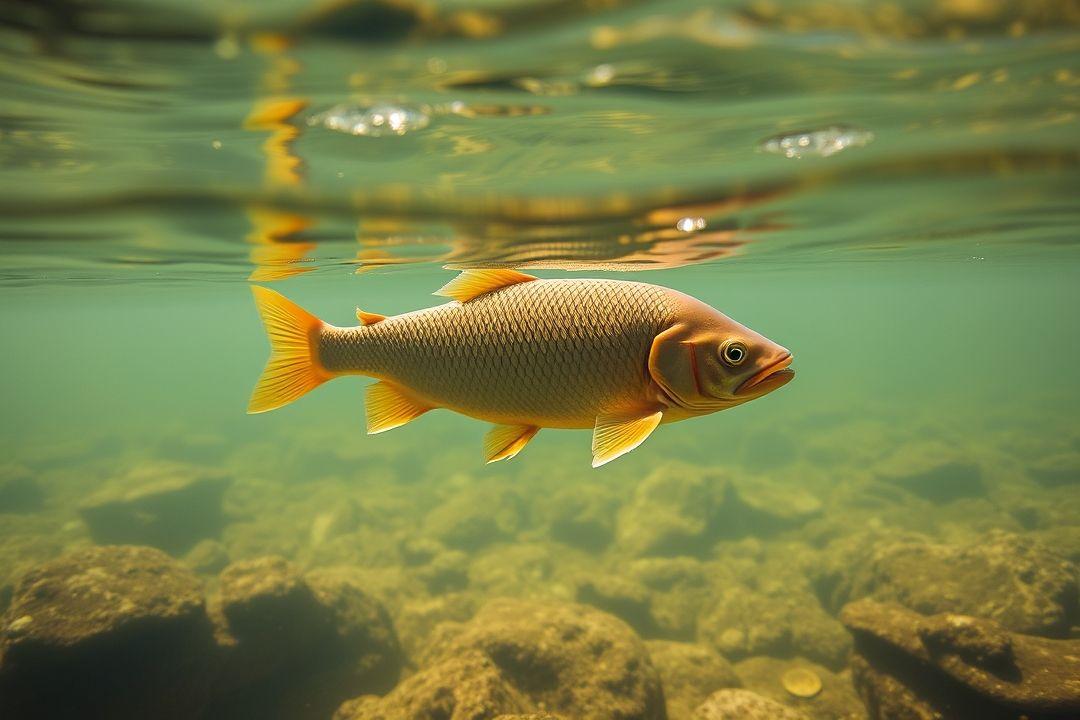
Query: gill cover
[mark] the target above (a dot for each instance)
(675, 362)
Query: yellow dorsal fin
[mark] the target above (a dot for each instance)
(472, 284)
(616, 434)
(368, 318)
(503, 442)
(388, 407)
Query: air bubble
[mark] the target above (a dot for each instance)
(373, 120)
(822, 142)
(690, 224)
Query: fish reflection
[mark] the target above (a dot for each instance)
(279, 242)
(664, 237)
(626, 76)
(274, 115)
(653, 249)
(278, 235)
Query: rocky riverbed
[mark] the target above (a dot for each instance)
(853, 573)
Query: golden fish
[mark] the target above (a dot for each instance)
(615, 356)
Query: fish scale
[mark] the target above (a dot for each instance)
(548, 350)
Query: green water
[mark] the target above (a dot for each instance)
(157, 158)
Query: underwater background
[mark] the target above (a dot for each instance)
(888, 189)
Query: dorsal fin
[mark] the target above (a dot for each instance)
(472, 284)
(368, 318)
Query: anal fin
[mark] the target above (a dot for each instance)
(616, 434)
(503, 442)
(472, 284)
(388, 407)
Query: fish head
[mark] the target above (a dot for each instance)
(707, 362)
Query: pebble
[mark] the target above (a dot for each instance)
(801, 682)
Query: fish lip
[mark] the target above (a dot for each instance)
(778, 370)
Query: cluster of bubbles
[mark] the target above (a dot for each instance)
(373, 120)
(388, 119)
(690, 224)
(822, 142)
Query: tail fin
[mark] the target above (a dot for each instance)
(293, 368)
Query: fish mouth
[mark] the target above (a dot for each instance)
(769, 379)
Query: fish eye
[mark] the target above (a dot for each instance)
(733, 353)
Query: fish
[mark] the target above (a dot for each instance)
(523, 353)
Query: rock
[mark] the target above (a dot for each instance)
(1063, 538)
(302, 644)
(264, 535)
(28, 540)
(469, 523)
(680, 588)
(689, 673)
(446, 572)
(946, 665)
(681, 510)
(19, 491)
(271, 611)
(672, 512)
(583, 517)
(392, 586)
(415, 619)
(538, 570)
(363, 637)
(1004, 577)
(744, 622)
(419, 550)
(467, 687)
(118, 632)
(341, 520)
(165, 505)
(623, 598)
(735, 704)
(1048, 511)
(208, 557)
(932, 470)
(1057, 469)
(827, 695)
(759, 506)
(562, 657)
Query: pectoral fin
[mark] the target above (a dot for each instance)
(503, 442)
(474, 283)
(388, 407)
(616, 434)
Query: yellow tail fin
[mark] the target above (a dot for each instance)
(293, 368)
